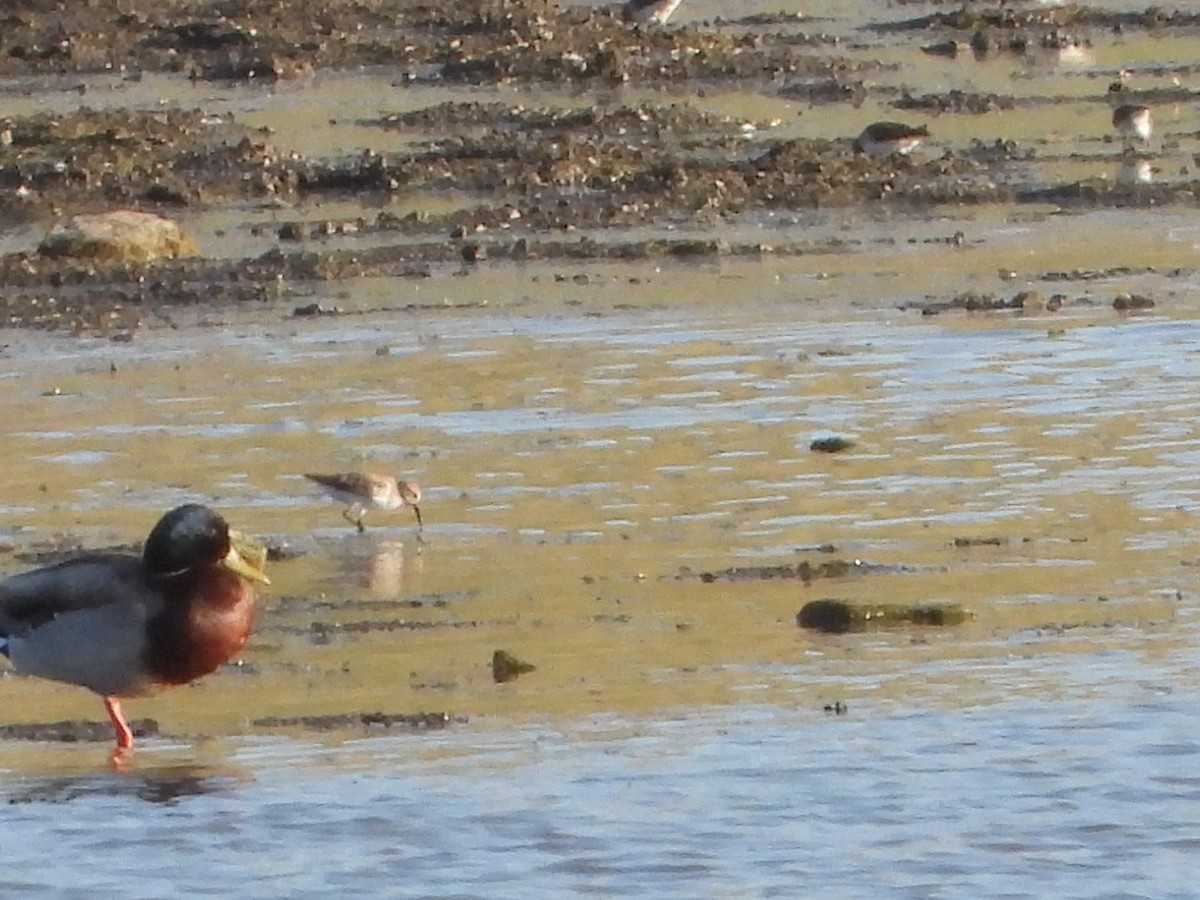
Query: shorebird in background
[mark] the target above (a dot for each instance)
(649, 12)
(890, 138)
(366, 491)
(1132, 122)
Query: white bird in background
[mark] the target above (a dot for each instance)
(649, 12)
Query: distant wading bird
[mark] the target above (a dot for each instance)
(1132, 122)
(129, 626)
(890, 138)
(365, 491)
(649, 12)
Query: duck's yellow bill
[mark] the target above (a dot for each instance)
(246, 557)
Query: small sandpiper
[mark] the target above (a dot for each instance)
(1132, 122)
(649, 12)
(362, 491)
(890, 138)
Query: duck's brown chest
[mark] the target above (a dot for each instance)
(203, 627)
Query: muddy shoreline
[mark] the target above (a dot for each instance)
(531, 183)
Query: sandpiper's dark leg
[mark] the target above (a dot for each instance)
(354, 515)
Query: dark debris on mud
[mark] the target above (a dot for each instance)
(803, 571)
(507, 667)
(475, 41)
(82, 731)
(304, 603)
(534, 182)
(1041, 25)
(955, 101)
(74, 731)
(321, 632)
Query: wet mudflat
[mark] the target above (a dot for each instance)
(612, 311)
(583, 474)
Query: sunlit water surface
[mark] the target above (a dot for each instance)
(1028, 799)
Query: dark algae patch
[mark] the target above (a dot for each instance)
(831, 444)
(840, 616)
(506, 667)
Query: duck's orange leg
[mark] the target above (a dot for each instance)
(124, 733)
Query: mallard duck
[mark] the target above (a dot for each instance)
(128, 626)
(362, 491)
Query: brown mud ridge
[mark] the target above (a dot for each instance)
(538, 183)
(302, 603)
(369, 721)
(74, 731)
(802, 571)
(324, 632)
(1032, 301)
(66, 548)
(475, 41)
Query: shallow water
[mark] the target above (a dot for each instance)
(1072, 798)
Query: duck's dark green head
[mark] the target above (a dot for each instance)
(192, 537)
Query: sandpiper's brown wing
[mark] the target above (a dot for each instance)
(351, 482)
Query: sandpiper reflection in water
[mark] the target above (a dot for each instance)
(380, 566)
